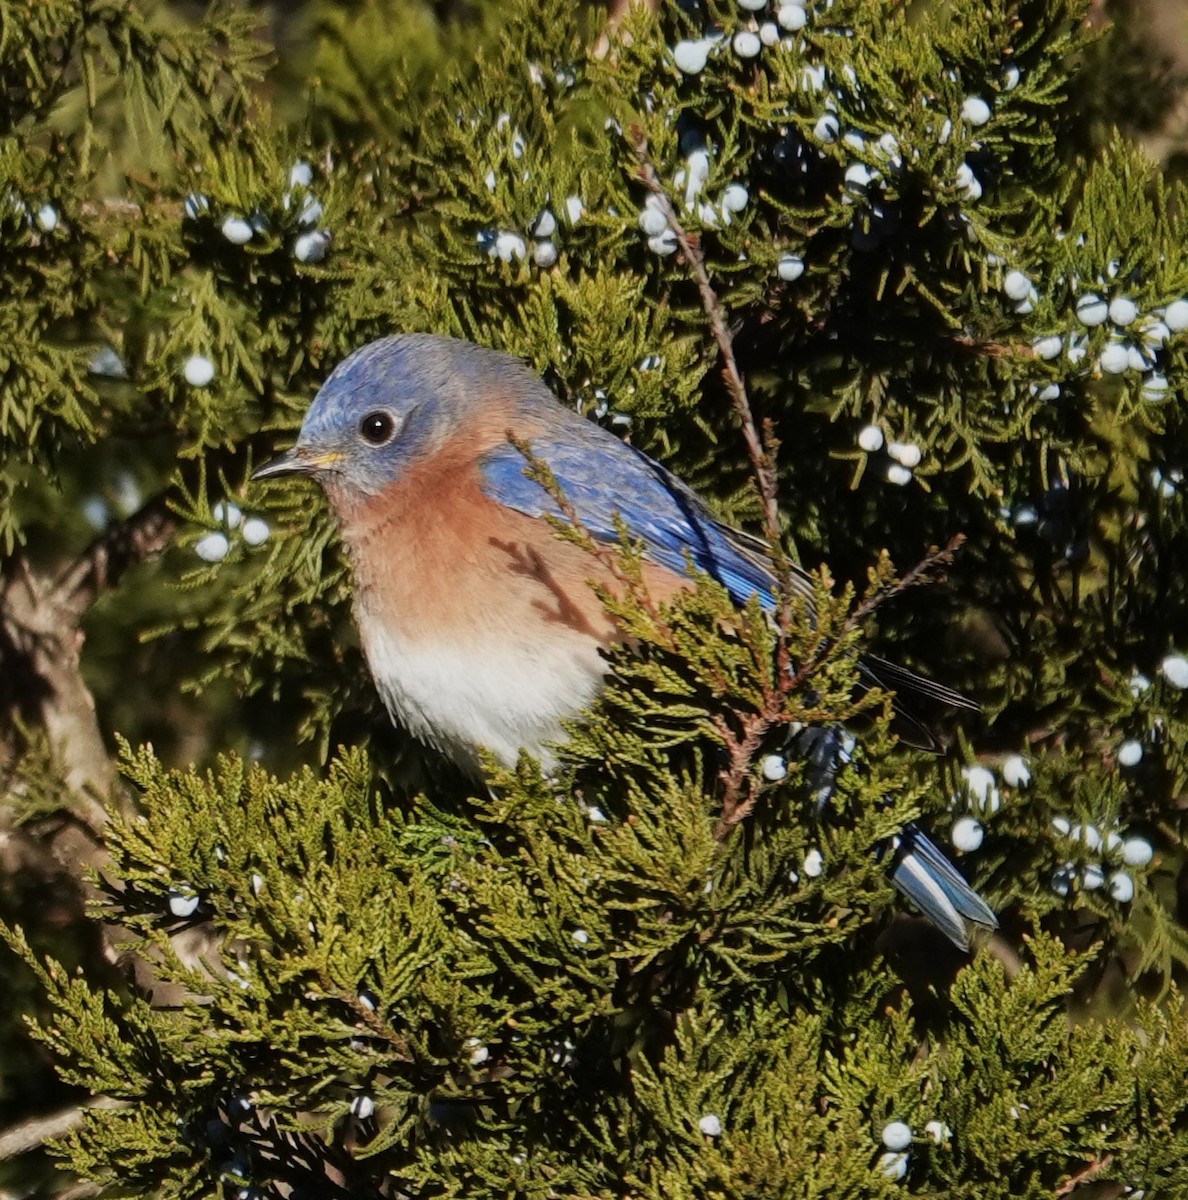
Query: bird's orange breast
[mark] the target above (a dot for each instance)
(479, 623)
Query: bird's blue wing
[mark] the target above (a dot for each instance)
(602, 479)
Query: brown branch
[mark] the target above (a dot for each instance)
(127, 543)
(917, 575)
(739, 794)
(1094, 1168)
(33, 1133)
(761, 459)
(41, 642)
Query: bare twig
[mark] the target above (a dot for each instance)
(762, 460)
(741, 746)
(917, 575)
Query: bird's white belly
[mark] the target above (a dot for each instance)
(501, 694)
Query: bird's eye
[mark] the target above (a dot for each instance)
(377, 428)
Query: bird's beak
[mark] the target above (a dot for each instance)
(298, 461)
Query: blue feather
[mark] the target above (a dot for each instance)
(602, 480)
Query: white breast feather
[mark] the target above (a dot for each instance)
(503, 695)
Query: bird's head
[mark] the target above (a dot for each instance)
(392, 403)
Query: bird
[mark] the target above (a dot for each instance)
(477, 619)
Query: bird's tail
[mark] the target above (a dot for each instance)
(918, 869)
(922, 873)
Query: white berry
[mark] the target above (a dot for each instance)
(311, 247)
(896, 1135)
(968, 182)
(1016, 285)
(769, 33)
(212, 547)
(1174, 669)
(828, 128)
(938, 1131)
(652, 221)
(1130, 753)
(857, 177)
(1089, 834)
(966, 834)
(545, 224)
(790, 267)
(311, 211)
(1114, 359)
(237, 231)
(255, 531)
(1092, 309)
(508, 246)
(975, 110)
(544, 254)
(893, 1165)
(907, 454)
(690, 57)
(1092, 877)
(814, 864)
(664, 244)
(198, 370)
(1015, 772)
(982, 788)
(1048, 347)
(1155, 388)
(362, 1107)
(735, 197)
(1176, 316)
(1121, 887)
(47, 218)
(710, 1124)
(227, 513)
(1137, 852)
(898, 475)
(792, 17)
(746, 44)
(870, 439)
(1156, 333)
(183, 904)
(773, 767)
(1123, 311)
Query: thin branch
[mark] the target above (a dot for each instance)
(917, 575)
(1094, 1168)
(738, 790)
(761, 459)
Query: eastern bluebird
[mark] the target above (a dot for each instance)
(477, 620)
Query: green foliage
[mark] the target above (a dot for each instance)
(646, 969)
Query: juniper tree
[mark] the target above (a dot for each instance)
(324, 964)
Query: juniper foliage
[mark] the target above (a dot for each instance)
(342, 970)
